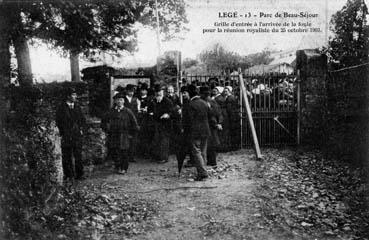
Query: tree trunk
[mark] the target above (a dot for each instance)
(4, 80)
(74, 66)
(23, 60)
(4, 49)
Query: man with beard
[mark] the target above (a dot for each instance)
(173, 96)
(215, 123)
(132, 103)
(161, 110)
(145, 122)
(197, 119)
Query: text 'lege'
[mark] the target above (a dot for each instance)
(228, 14)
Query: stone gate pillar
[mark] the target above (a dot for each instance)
(312, 68)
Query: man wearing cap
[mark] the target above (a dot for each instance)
(215, 123)
(72, 124)
(120, 124)
(161, 110)
(132, 103)
(196, 117)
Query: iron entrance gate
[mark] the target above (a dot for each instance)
(274, 105)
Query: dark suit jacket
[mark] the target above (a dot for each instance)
(175, 99)
(71, 122)
(133, 105)
(120, 126)
(215, 119)
(157, 110)
(196, 116)
(232, 107)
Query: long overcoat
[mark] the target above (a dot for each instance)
(196, 117)
(216, 118)
(120, 125)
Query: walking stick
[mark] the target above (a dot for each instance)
(249, 118)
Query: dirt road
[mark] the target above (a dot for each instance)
(242, 199)
(218, 208)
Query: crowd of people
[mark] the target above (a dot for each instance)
(154, 123)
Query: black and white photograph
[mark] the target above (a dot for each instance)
(184, 119)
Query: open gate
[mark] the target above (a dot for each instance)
(274, 105)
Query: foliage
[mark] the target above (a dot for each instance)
(306, 194)
(54, 93)
(218, 60)
(88, 26)
(113, 212)
(188, 62)
(28, 166)
(168, 67)
(260, 58)
(28, 172)
(350, 45)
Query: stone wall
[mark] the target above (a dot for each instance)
(348, 113)
(334, 108)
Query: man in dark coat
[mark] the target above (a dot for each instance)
(71, 123)
(131, 102)
(173, 96)
(145, 122)
(182, 132)
(233, 119)
(161, 110)
(215, 123)
(196, 117)
(223, 135)
(120, 124)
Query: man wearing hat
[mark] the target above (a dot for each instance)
(196, 117)
(181, 131)
(216, 94)
(120, 124)
(146, 133)
(143, 97)
(215, 124)
(174, 98)
(132, 103)
(233, 119)
(161, 110)
(72, 124)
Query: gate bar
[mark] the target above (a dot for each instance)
(241, 119)
(249, 117)
(298, 107)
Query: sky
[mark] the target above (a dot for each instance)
(203, 14)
